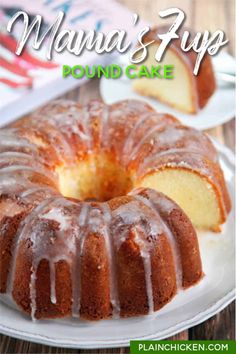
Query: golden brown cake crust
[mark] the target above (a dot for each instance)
(126, 256)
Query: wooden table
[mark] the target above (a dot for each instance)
(201, 15)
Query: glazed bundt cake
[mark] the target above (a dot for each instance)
(186, 92)
(80, 234)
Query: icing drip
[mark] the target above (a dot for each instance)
(58, 216)
(171, 239)
(142, 222)
(109, 246)
(50, 246)
(17, 168)
(9, 140)
(56, 228)
(24, 172)
(147, 162)
(147, 136)
(56, 139)
(25, 229)
(9, 184)
(36, 260)
(104, 124)
(32, 287)
(67, 151)
(33, 190)
(145, 254)
(8, 155)
(131, 214)
(11, 161)
(171, 135)
(10, 181)
(83, 214)
(85, 119)
(53, 297)
(129, 143)
(71, 111)
(83, 219)
(66, 250)
(96, 219)
(76, 296)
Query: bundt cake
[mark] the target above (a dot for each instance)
(186, 92)
(80, 234)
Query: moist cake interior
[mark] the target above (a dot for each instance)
(101, 178)
(177, 92)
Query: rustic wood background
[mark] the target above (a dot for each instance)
(201, 15)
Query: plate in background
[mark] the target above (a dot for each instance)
(187, 309)
(219, 110)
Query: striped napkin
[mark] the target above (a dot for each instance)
(29, 80)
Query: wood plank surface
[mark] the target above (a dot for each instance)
(201, 15)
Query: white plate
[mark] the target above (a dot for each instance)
(189, 307)
(219, 110)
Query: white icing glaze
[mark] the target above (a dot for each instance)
(110, 252)
(12, 141)
(22, 169)
(130, 138)
(66, 242)
(171, 135)
(172, 241)
(104, 124)
(13, 184)
(147, 162)
(53, 297)
(83, 214)
(24, 233)
(14, 154)
(32, 287)
(63, 249)
(76, 266)
(85, 120)
(36, 189)
(57, 215)
(145, 254)
(147, 136)
(130, 214)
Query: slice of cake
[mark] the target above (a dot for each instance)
(185, 92)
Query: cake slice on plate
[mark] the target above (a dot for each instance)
(185, 92)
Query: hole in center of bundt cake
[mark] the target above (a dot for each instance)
(98, 177)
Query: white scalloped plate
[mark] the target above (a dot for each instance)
(189, 307)
(220, 108)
